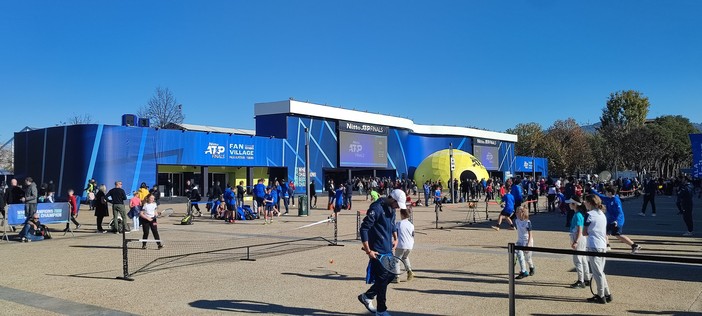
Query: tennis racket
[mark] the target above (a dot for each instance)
(167, 212)
(392, 264)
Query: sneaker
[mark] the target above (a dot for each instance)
(531, 271)
(635, 249)
(127, 232)
(521, 275)
(587, 282)
(143, 247)
(78, 226)
(410, 276)
(265, 222)
(597, 299)
(687, 234)
(496, 228)
(24, 239)
(160, 246)
(368, 303)
(654, 214)
(578, 285)
(395, 280)
(609, 298)
(642, 214)
(609, 248)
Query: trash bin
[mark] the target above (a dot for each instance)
(302, 209)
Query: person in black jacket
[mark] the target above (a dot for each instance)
(194, 198)
(684, 203)
(650, 188)
(117, 196)
(348, 192)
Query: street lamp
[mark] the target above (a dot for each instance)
(452, 184)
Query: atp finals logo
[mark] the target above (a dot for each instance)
(216, 150)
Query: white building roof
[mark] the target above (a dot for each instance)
(330, 112)
(213, 129)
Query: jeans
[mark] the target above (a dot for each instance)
(524, 257)
(380, 287)
(29, 234)
(649, 198)
(286, 203)
(135, 223)
(597, 265)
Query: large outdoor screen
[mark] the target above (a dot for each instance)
(363, 150)
(488, 156)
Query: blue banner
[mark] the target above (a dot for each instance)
(696, 141)
(49, 213)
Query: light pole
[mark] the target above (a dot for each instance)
(307, 168)
(452, 184)
(533, 166)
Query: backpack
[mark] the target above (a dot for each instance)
(187, 220)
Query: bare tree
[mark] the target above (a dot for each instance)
(76, 119)
(6, 162)
(162, 108)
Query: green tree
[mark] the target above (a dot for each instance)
(625, 110)
(568, 148)
(531, 139)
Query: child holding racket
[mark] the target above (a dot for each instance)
(524, 238)
(405, 242)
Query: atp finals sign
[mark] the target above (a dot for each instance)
(234, 151)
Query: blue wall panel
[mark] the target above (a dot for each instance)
(323, 150)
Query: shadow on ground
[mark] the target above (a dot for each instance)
(254, 307)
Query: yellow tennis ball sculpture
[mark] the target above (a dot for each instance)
(438, 167)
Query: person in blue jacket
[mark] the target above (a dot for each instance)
(508, 207)
(276, 199)
(285, 195)
(259, 191)
(379, 237)
(615, 216)
(338, 200)
(517, 192)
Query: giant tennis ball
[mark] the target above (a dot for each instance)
(437, 166)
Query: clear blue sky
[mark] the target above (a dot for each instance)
(490, 64)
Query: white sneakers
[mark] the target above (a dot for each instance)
(368, 303)
(687, 234)
(642, 214)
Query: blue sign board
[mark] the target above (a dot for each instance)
(49, 213)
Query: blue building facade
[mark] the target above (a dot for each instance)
(71, 155)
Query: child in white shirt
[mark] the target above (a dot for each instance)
(524, 238)
(405, 242)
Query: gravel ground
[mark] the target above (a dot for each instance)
(461, 269)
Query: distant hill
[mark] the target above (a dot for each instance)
(592, 128)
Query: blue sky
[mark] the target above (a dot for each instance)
(490, 64)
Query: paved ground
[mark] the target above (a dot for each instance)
(462, 269)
